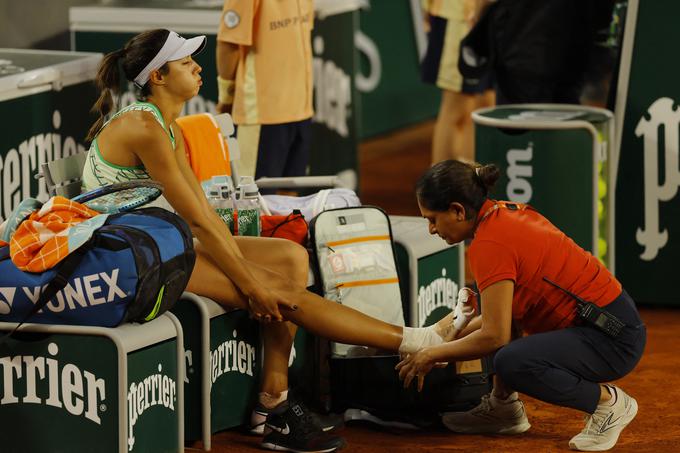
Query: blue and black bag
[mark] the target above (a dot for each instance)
(133, 269)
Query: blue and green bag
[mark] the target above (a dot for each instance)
(133, 269)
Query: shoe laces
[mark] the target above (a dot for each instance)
(307, 422)
(594, 422)
(484, 405)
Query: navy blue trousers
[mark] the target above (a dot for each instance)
(283, 149)
(564, 367)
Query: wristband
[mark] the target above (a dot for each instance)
(225, 90)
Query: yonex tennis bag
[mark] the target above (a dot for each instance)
(134, 268)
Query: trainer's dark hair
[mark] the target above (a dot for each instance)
(452, 181)
(131, 59)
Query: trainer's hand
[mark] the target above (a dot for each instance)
(465, 309)
(415, 365)
(264, 305)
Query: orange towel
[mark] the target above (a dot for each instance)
(46, 237)
(205, 146)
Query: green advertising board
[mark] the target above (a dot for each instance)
(154, 414)
(189, 316)
(437, 289)
(235, 357)
(223, 362)
(555, 158)
(430, 271)
(391, 41)
(648, 174)
(336, 121)
(85, 403)
(92, 389)
(45, 100)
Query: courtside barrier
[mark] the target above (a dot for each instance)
(223, 361)
(93, 389)
(558, 159)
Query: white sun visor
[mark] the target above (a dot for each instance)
(175, 48)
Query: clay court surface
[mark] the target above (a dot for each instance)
(656, 429)
(389, 167)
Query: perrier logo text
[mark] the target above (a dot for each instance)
(661, 170)
(154, 390)
(441, 292)
(76, 391)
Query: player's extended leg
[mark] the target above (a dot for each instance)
(284, 257)
(273, 404)
(316, 314)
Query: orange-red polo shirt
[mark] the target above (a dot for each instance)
(523, 246)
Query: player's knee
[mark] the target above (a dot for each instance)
(297, 261)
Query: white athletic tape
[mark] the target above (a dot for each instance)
(465, 308)
(417, 338)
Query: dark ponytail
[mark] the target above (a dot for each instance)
(488, 175)
(130, 60)
(452, 181)
(108, 83)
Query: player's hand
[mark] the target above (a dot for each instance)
(415, 365)
(264, 305)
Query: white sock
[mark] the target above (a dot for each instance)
(271, 401)
(417, 338)
(613, 394)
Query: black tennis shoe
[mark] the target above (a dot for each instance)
(329, 423)
(292, 427)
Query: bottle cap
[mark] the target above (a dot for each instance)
(220, 180)
(225, 190)
(247, 187)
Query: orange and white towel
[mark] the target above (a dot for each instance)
(205, 146)
(52, 231)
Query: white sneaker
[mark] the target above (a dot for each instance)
(491, 416)
(606, 423)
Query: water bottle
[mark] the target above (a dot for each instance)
(213, 196)
(225, 205)
(248, 207)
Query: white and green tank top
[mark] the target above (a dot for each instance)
(99, 172)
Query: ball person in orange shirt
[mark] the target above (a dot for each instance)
(531, 275)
